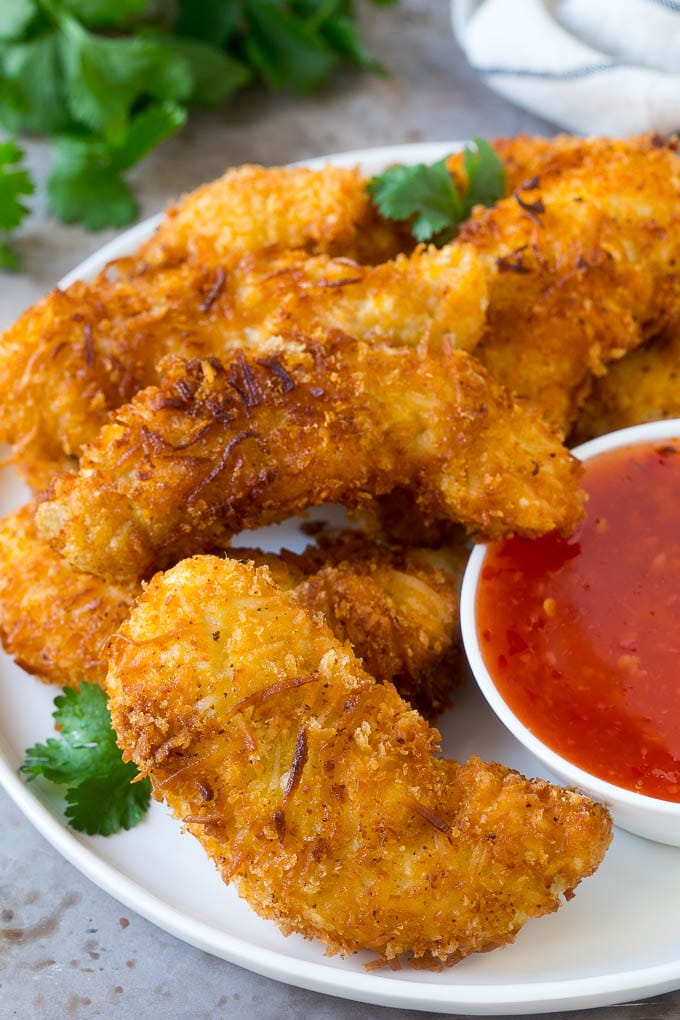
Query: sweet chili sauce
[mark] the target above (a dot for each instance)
(582, 635)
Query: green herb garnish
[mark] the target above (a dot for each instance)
(428, 194)
(107, 80)
(15, 183)
(86, 759)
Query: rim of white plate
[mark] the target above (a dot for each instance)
(484, 999)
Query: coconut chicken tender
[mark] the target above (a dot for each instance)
(398, 610)
(527, 156)
(316, 791)
(582, 267)
(83, 352)
(643, 386)
(54, 620)
(218, 449)
(252, 207)
(326, 210)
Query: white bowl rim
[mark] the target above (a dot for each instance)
(609, 793)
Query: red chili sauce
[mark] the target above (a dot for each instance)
(582, 635)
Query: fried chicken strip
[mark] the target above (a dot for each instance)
(582, 267)
(324, 211)
(76, 355)
(315, 790)
(82, 352)
(328, 210)
(215, 450)
(643, 386)
(398, 610)
(396, 518)
(54, 620)
(527, 156)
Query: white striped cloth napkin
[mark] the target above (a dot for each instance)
(608, 67)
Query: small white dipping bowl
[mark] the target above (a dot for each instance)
(646, 816)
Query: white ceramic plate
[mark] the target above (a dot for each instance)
(616, 940)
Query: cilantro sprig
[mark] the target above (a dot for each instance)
(85, 758)
(108, 80)
(15, 184)
(428, 196)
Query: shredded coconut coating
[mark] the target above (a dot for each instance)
(316, 790)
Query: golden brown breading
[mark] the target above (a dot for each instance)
(325, 211)
(216, 450)
(315, 790)
(82, 352)
(400, 611)
(55, 621)
(643, 386)
(527, 156)
(396, 518)
(252, 207)
(561, 307)
(582, 268)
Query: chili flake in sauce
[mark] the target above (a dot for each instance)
(582, 635)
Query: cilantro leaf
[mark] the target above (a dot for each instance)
(85, 758)
(428, 195)
(335, 22)
(215, 75)
(145, 131)
(288, 52)
(86, 183)
(15, 17)
(103, 805)
(342, 34)
(485, 176)
(15, 184)
(32, 95)
(211, 21)
(105, 77)
(82, 189)
(9, 260)
(105, 12)
(86, 743)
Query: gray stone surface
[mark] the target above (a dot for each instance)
(66, 948)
